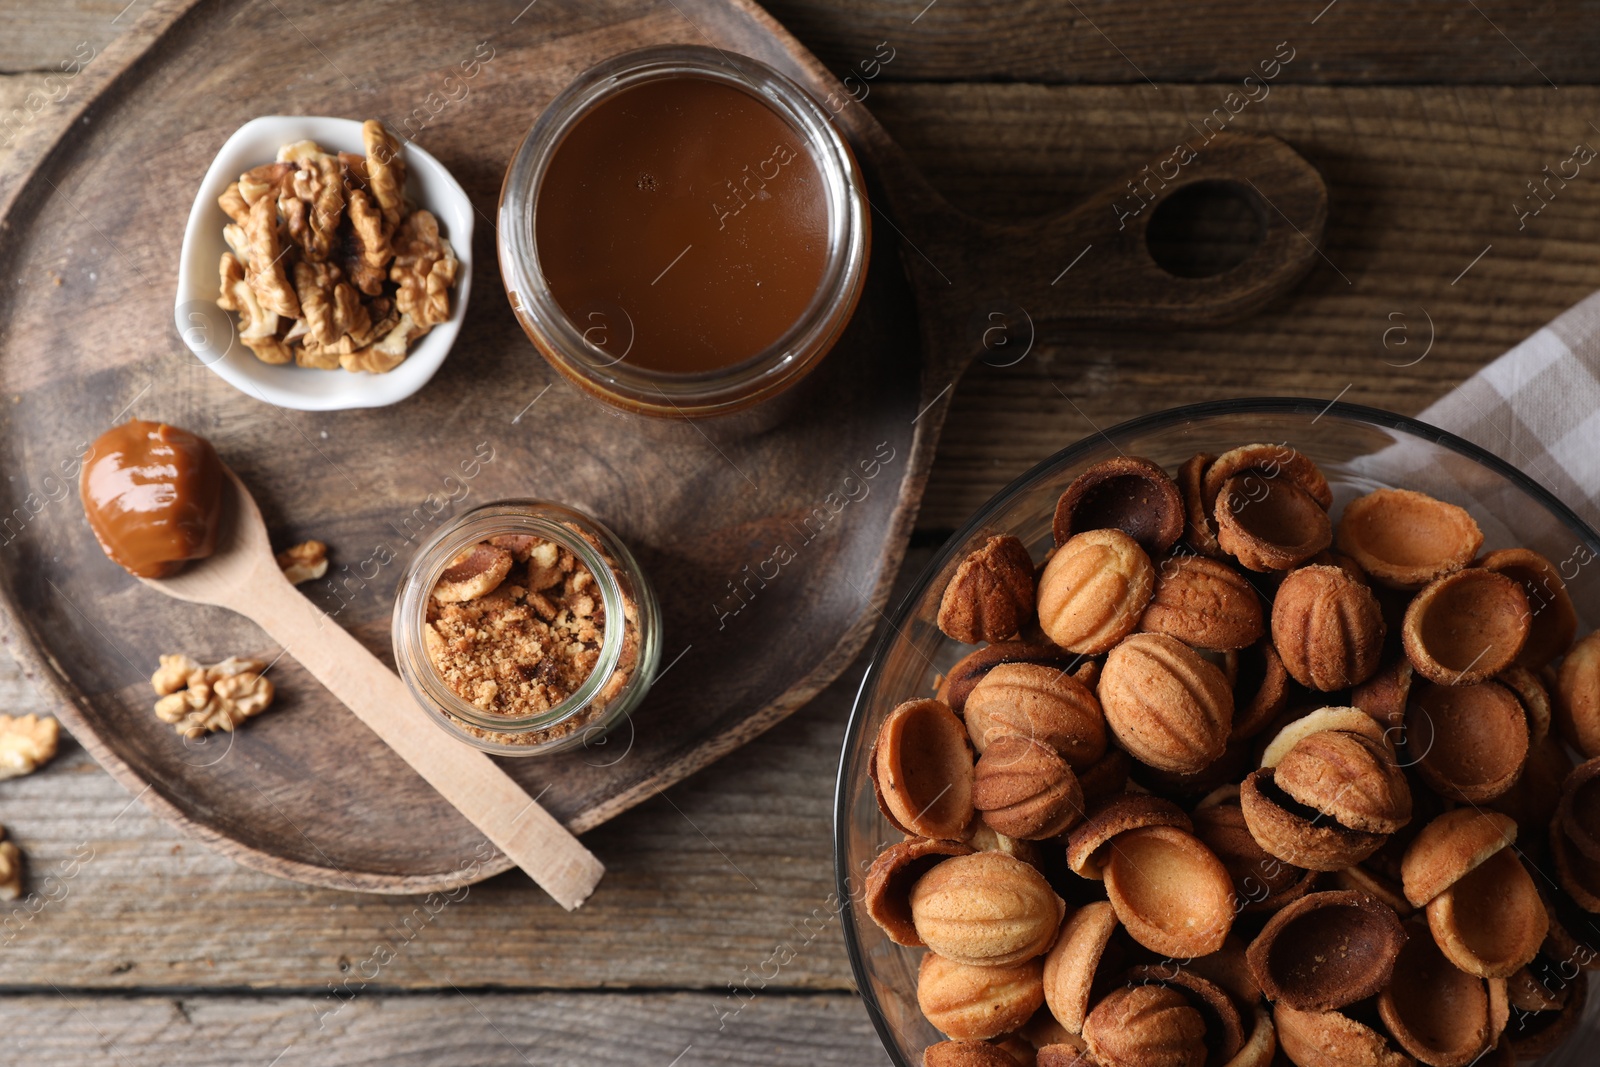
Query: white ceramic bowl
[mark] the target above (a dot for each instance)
(211, 333)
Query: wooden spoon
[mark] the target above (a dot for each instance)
(243, 576)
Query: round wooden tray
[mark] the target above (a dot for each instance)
(90, 249)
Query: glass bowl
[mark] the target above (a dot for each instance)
(1358, 448)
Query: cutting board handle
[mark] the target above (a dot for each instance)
(1091, 266)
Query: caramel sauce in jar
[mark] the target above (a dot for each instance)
(153, 496)
(684, 232)
(695, 209)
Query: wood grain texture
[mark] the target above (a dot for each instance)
(1422, 180)
(471, 1027)
(1492, 42)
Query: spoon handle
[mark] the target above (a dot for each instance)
(477, 787)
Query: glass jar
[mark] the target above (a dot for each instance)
(622, 672)
(576, 348)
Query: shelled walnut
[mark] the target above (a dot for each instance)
(328, 266)
(27, 742)
(305, 562)
(196, 700)
(10, 869)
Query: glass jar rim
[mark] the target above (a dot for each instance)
(479, 524)
(725, 389)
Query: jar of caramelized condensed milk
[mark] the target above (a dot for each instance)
(683, 232)
(525, 628)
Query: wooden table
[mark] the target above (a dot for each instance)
(1429, 119)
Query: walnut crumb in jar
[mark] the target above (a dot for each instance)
(526, 627)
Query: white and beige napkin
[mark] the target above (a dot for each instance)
(1538, 408)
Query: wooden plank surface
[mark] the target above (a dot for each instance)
(702, 883)
(153, 938)
(456, 1027)
(1491, 42)
(1495, 42)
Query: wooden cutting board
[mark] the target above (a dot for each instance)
(89, 254)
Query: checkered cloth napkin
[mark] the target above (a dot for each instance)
(1538, 408)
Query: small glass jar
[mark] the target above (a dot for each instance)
(596, 704)
(569, 345)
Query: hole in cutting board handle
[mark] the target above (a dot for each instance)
(1206, 228)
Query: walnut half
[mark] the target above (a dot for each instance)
(305, 562)
(219, 697)
(10, 869)
(27, 743)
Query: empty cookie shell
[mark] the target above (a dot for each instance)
(1326, 950)
(1124, 493)
(922, 770)
(1224, 1026)
(887, 892)
(1105, 776)
(1328, 627)
(1577, 704)
(1070, 968)
(972, 668)
(1491, 921)
(1271, 461)
(1533, 800)
(1114, 815)
(1333, 1039)
(1469, 742)
(1298, 834)
(1579, 808)
(1261, 1047)
(1466, 627)
(1578, 874)
(977, 1003)
(1555, 621)
(1270, 524)
(1204, 603)
(1529, 992)
(1449, 848)
(1386, 694)
(1535, 700)
(1433, 1009)
(986, 909)
(1039, 702)
(1043, 1030)
(1561, 946)
(1261, 882)
(1146, 1024)
(1540, 1033)
(1260, 689)
(1169, 891)
(1362, 879)
(1405, 539)
(1199, 530)
(1228, 969)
